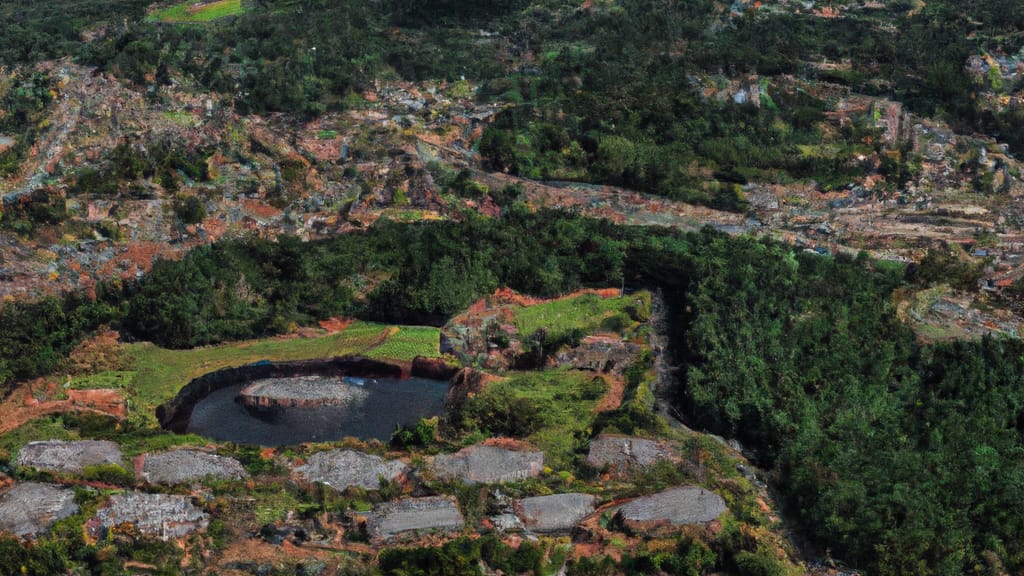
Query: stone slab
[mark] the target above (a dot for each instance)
(433, 513)
(676, 506)
(555, 513)
(181, 466)
(622, 453)
(480, 464)
(341, 469)
(29, 509)
(164, 516)
(68, 457)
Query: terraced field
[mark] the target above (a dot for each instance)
(198, 11)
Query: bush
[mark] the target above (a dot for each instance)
(108, 474)
(757, 564)
(189, 209)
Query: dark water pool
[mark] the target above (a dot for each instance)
(388, 403)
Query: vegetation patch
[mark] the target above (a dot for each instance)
(580, 314)
(161, 373)
(408, 342)
(198, 11)
(552, 409)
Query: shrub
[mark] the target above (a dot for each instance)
(108, 474)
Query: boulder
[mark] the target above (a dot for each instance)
(181, 466)
(621, 453)
(488, 465)
(433, 513)
(165, 516)
(677, 506)
(341, 469)
(555, 513)
(28, 509)
(68, 457)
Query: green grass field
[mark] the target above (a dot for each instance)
(585, 312)
(408, 342)
(161, 373)
(197, 12)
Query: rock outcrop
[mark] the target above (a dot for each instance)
(341, 469)
(485, 464)
(555, 513)
(28, 509)
(677, 506)
(164, 516)
(181, 466)
(68, 457)
(300, 391)
(600, 354)
(623, 453)
(433, 513)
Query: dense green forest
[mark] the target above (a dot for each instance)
(900, 458)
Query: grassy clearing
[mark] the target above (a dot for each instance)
(586, 312)
(408, 342)
(45, 428)
(182, 118)
(555, 407)
(161, 373)
(108, 379)
(197, 12)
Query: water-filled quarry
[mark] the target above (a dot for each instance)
(275, 404)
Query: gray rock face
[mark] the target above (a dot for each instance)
(390, 519)
(555, 513)
(341, 469)
(180, 466)
(68, 457)
(676, 506)
(621, 453)
(488, 465)
(28, 509)
(161, 515)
